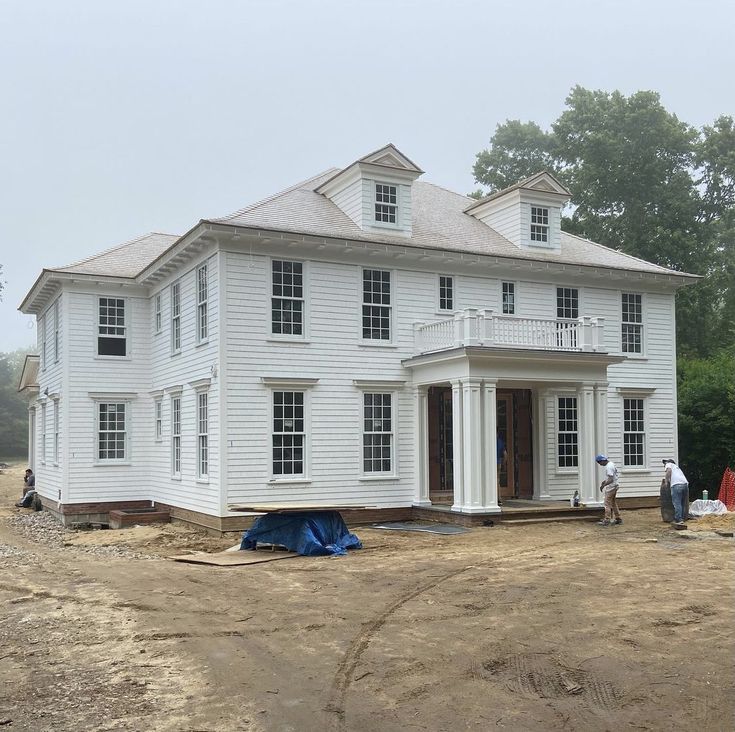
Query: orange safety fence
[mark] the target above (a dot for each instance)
(727, 489)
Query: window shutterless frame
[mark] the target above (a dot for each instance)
(508, 298)
(175, 317)
(202, 417)
(634, 432)
(567, 428)
(176, 436)
(158, 313)
(446, 294)
(631, 328)
(56, 330)
(539, 224)
(377, 306)
(386, 204)
(202, 290)
(378, 433)
(112, 327)
(112, 432)
(288, 299)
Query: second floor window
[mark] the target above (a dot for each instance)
(539, 224)
(632, 326)
(42, 339)
(111, 333)
(158, 313)
(567, 436)
(176, 317)
(386, 203)
(202, 304)
(56, 331)
(509, 298)
(158, 413)
(287, 301)
(376, 304)
(446, 293)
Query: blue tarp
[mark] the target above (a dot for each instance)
(313, 533)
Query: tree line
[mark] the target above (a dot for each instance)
(655, 187)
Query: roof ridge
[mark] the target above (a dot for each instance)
(112, 249)
(252, 206)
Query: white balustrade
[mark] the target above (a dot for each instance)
(473, 327)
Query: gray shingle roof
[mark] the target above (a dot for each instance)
(124, 260)
(439, 222)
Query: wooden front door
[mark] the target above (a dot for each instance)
(441, 447)
(514, 421)
(506, 473)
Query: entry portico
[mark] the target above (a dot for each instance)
(476, 374)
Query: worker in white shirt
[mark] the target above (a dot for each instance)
(675, 477)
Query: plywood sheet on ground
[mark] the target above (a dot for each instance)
(234, 559)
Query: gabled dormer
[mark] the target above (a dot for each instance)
(528, 213)
(375, 191)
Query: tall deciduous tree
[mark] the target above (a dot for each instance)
(13, 408)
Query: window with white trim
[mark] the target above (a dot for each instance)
(287, 299)
(202, 434)
(202, 304)
(56, 431)
(386, 203)
(289, 434)
(377, 433)
(632, 325)
(42, 335)
(176, 317)
(43, 433)
(111, 431)
(567, 308)
(446, 293)
(158, 316)
(176, 436)
(539, 224)
(509, 298)
(111, 329)
(567, 433)
(634, 433)
(56, 331)
(376, 304)
(158, 417)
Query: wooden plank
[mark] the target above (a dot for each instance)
(234, 559)
(292, 508)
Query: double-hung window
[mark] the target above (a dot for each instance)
(56, 431)
(386, 203)
(111, 431)
(202, 434)
(287, 300)
(539, 224)
(43, 433)
(377, 433)
(158, 315)
(632, 325)
(376, 305)
(634, 433)
(158, 417)
(446, 293)
(176, 436)
(56, 331)
(202, 304)
(289, 435)
(567, 435)
(509, 298)
(42, 336)
(176, 317)
(111, 328)
(567, 308)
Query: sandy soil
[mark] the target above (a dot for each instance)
(559, 626)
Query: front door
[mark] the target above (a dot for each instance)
(441, 448)
(515, 473)
(506, 473)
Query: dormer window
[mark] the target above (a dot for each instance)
(386, 203)
(539, 224)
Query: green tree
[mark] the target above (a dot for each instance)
(13, 407)
(706, 396)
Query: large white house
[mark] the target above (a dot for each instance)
(357, 339)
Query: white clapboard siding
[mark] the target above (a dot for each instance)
(349, 199)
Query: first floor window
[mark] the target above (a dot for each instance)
(446, 293)
(112, 434)
(56, 431)
(203, 434)
(176, 435)
(376, 304)
(509, 298)
(111, 329)
(377, 433)
(567, 436)
(632, 326)
(289, 434)
(633, 432)
(158, 412)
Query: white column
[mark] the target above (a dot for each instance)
(472, 445)
(31, 438)
(457, 446)
(490, 448)
(421, 493)
(588, 486)
(601, 418)
(541, 458)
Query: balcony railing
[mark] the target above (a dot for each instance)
(474, 327)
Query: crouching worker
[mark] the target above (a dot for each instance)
(30, 497)
(610, 488)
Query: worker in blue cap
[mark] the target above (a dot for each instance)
(610, 488)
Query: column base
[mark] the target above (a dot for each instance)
(477, 509)
(422, 504)
(593, 504)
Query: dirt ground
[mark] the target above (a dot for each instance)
(557, 626)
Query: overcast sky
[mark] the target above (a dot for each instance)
(120, 118)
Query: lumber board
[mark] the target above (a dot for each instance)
(293, 508)
(234, 559)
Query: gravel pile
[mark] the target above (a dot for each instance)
(41, 527)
